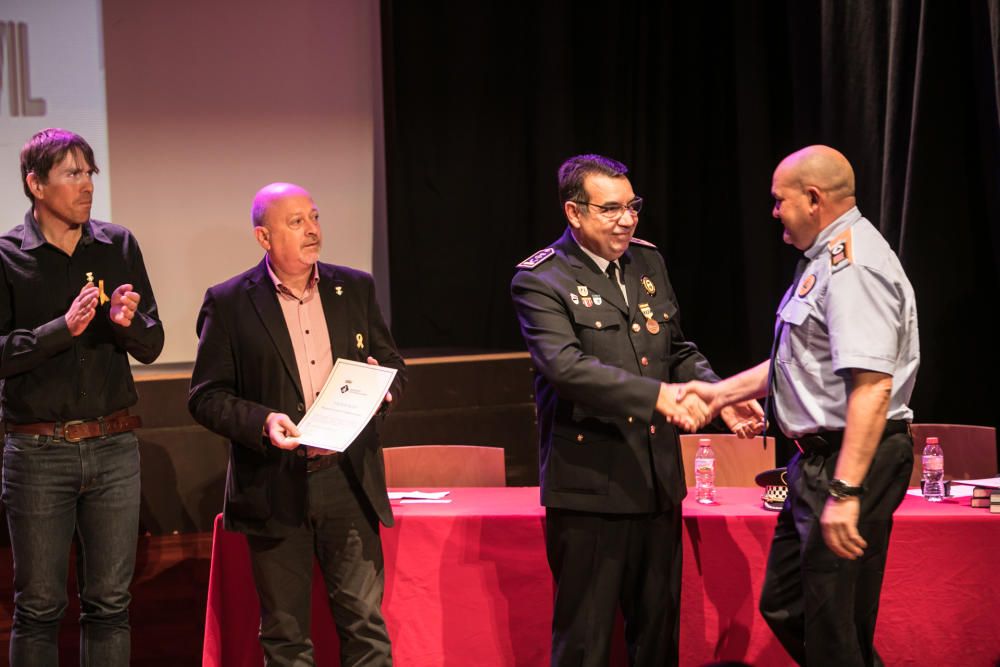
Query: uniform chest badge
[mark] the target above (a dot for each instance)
(582, 289)
(597, 299)
(648, 285)
(652, 326)
(587, 301)
(574, 298)
(807, 284)
(841, 253)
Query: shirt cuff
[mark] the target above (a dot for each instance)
(54, 336)
(843, 363)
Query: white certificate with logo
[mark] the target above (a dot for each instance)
(349, 399)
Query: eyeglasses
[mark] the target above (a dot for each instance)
(615, 211)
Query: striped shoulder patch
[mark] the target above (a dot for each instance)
(537, 258)
(841, 253)
(638, 241)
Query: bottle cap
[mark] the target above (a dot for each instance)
(932, 441)
(704, 442)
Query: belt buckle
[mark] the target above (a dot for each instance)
(65, 430)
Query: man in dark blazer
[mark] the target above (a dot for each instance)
(267, 342)
(600, 320)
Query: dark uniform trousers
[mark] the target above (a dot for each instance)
(601, 561)
(820, 607)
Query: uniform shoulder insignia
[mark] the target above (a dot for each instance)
(642, 242)
(537, 258)
(841, 252)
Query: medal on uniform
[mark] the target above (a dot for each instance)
(652, 326)
(574, 298)
(648, 285)
(588, 302)
(597, 299)
(582, 289)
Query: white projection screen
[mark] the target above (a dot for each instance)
(191, 107)
(51, 75)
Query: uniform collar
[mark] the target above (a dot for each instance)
(602, 264)
(34, 238)
(836, 227)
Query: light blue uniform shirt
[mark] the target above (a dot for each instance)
(852, 307)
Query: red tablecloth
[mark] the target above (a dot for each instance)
(467, 584)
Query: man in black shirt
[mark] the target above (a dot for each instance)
(75, 300)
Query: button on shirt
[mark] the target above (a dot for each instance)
(852, 308)
(48, 374)
(306, 324)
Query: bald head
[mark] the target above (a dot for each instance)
(268, 195)
(811, 187)
(821, 167)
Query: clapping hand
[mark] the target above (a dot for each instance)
(82, 310)
(123, 304)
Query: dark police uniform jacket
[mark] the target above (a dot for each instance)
(602, 446)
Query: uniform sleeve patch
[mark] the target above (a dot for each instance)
(537, 258)
(642, 242)
(841, 253)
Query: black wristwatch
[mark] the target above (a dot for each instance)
(840, 490)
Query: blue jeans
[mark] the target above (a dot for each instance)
(54, 489)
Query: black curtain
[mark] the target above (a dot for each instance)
(483, 100)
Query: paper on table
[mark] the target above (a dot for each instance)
(349, 399)
(423, 495)
(991, 482)
(413, 501)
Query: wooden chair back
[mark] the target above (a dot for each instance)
(737, 461)
(444, 465)
(970, 452)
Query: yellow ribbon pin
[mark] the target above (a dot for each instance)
(361, 341)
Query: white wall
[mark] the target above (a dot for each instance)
(65, 82)
(207, 102)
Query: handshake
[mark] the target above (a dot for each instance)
(693, 404)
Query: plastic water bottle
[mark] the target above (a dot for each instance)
(704, 472)
(933, 471)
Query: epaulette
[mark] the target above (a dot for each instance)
(537, 258)
(642, 242)
(841, 253)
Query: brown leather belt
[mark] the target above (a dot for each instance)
(80, 429)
